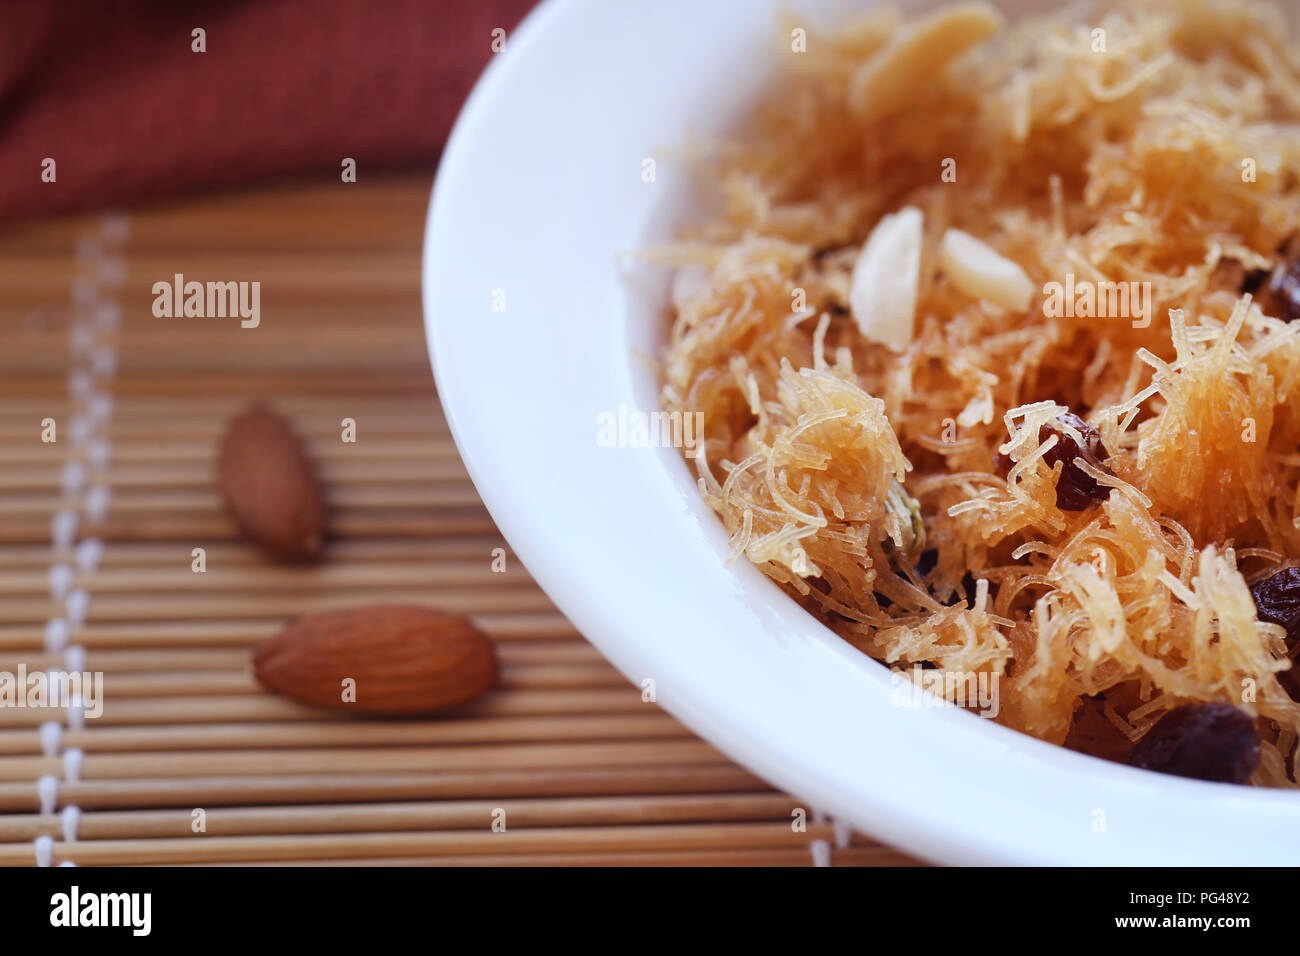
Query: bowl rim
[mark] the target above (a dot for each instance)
(1046, 793)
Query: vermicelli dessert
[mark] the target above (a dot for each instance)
(994, 338)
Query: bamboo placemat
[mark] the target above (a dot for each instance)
(97, 531)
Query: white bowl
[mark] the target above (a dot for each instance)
(539, 195)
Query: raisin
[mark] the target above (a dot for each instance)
(1214, 741)
(1254, 280)
(1284, 288)
(1277, 601)
(1278, 291)
(1075, 489)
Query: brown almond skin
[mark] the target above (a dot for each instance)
(270, 486)
(406, 660)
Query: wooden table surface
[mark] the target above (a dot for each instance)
(191, 761)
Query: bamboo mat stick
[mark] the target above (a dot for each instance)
(368, 760)
(24, 529)
(180, 576)
(196, 684)
(443, 815)
(198, 406)
(375, 450)
(151, 634)
(290, 217)
(205, 502)
(358, 274)
(192, 684)
(193, 410)
(169, 607)
(333, 340)
(174, 710)
(306, 222)
(510, 653)
(206, 737)
(188, 659)
(120, 554)
(264, 707)
(559, 676)
(379, 352)
(197, 411)
(493, 784)
(342, 846)
(767, 857)
(420, 523)
(540, 626)
(548, 652)
(314, 425)
(200, 474)
(170, 381)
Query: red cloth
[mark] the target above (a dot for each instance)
(116, 96)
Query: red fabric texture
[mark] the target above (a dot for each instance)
(115, 94)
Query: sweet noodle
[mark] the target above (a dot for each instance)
(864, 480)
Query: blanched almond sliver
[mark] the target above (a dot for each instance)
(883, 85)
(689, 283)
(982, 273)
(883, 294)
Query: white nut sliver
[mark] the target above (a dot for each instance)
(981, 272)
(882, 296)
(689, 283)
(886, 83)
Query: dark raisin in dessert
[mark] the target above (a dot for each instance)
(1076, 489)
(1213, 741)
(1284, 289)
(1277, 601)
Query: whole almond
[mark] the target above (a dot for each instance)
(270, 486)
(402, 660)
